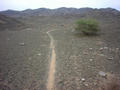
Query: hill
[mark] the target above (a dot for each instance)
(8, 22)
(58, 12)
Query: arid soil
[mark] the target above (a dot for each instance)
(50, 55)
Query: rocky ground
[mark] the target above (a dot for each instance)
(81, 61)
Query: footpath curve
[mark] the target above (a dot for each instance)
(51, 73)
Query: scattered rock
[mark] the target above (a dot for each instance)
(83, 79)
(111, 58)
(91, 60)
(101, 54)
(101, 49)
(78, 88)
(62, 25)
(22, 44)
(103, 74)
(60, 81)
(86, 84)
(95, 83)
(85, 53)
(29, 29)
(105, 47)
(39, 54)
(117, 48)
(90, 48)
(75, 68)
(77, 79)
(29, 58)
(65, 82)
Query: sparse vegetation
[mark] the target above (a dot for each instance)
(87, 26)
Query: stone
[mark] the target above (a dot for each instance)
(90, 48)
(77, 79)
(111, 58)
(78, 88)
(22, 44)
(39, 54)
(103, 74)
(62, 25)
(75, 68)
(91, 60)
(85, 53)
(86, 84)
(117, 48)
(29, 58)
(101, 54)
(101, 49)
(29, 29)
(95, 83)
(83, 79)
(105, 47)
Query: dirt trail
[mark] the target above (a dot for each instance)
(51, 74)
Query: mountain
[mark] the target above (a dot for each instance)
(11, 13)
(8, 22)
(60, 11)
(46, 12)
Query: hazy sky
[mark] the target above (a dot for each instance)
(33, 4)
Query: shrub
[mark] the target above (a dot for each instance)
(87, 26)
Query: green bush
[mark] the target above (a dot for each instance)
(87, 26)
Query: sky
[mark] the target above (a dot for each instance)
(34, 4)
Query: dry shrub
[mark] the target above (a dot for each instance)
(87, 26)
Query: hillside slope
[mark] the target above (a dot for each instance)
(57, 12)
(8, 22)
